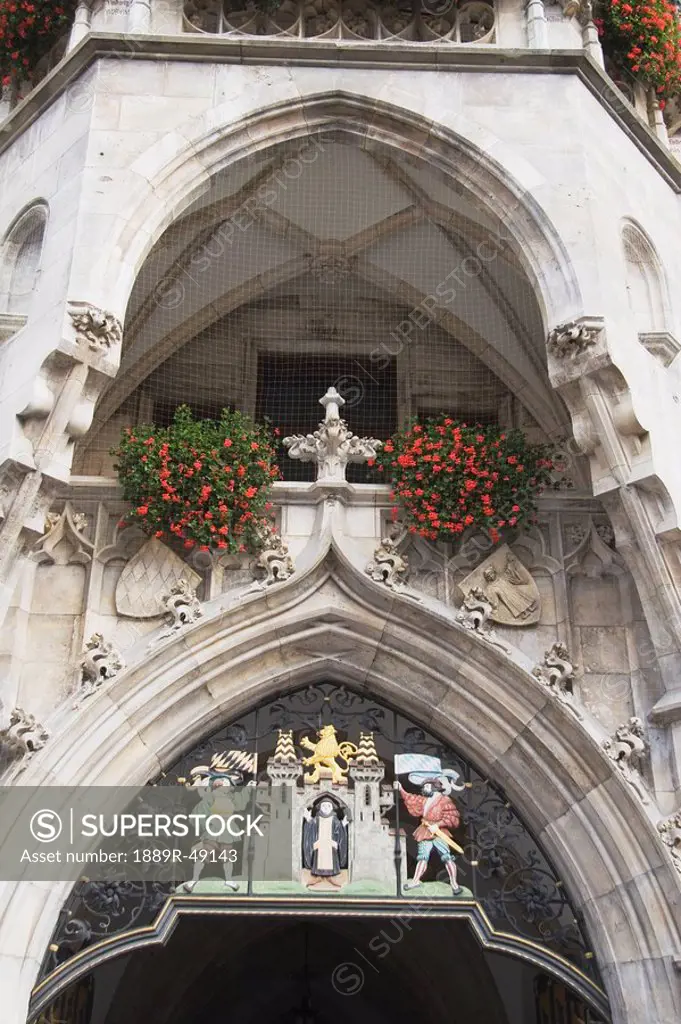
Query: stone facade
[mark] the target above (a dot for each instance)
(113, 148)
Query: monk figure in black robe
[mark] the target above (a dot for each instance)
(325, 843)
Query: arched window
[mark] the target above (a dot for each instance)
(646, 289)
(21, 255)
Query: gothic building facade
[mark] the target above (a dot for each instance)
(338, 218)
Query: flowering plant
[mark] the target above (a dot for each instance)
(204, 482)
(644, 37)
(449, 476)
(28, 30)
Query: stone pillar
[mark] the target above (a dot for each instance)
(592, 44)
(81, 23)
(537, 26)
(139, 16)
(656, 118)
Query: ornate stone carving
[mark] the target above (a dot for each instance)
(274, 559)
(330, 267)
(474, 614)
(22, 738)
(388, 565)
(628, 750)
(670, 833)
(606, 533)
(332, 446)
(101, 661)
(556, 672)
(571, 339)
(508, 586)
(68, 526)
(182, 604)
(99, 330)
(148, 576)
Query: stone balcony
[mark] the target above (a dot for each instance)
(402, 33)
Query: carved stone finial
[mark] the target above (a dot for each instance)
(556, 672)
(99, 330)
(22, 738)
(274, 559)
(670, 833)
(101, 661)
(571, 339)
(182, 604)
(388, 564)
(628, 750)
(332, 446)
(474, 614)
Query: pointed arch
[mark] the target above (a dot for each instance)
(20, 260)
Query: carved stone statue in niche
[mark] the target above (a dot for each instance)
(508, 586)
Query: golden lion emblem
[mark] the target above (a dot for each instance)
(325, 753)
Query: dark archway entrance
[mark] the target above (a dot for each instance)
(374, 971)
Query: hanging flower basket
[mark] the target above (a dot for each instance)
(28, 30)
(203, 482)
(448, 477)
(644, 38)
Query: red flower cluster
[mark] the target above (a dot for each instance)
(202, 482)
(28, 30)
(449, 476)
(644, 37)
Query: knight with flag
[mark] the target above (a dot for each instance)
(225, 770)
(437, 812)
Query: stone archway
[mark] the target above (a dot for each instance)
(330, 619)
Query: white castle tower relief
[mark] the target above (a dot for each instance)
(335, 791)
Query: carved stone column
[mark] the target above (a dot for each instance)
(537, 26)
(59, 412)
(139, 16)
(81, 23)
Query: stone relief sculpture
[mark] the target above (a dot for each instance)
(474, 614)
(628, 749)
(274, 560)
(571, 339)
(557, 673)
(148, 578)
(22, 738)
(332, 446)
(670, 833)
(182, 605)
(99, 330)
(388, 564)
(101, 661)
(508, 586)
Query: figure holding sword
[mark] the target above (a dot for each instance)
(437, 811)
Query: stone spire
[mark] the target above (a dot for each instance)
(367, 749)
(284, 752)
(284, 767)
(332, 446)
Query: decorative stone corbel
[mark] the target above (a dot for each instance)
(661, 344)
(628, 750)
(557, 673)
(101, 661)
(22, 738)
(571, 339)
(333, 445)
(66, 526)
(474, 614)
(182, 604)
(670, 833)
(274, 559)
(388, 565)
(98, 330)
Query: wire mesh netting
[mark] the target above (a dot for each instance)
(320, 263)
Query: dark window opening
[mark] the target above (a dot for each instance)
(289, 389)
